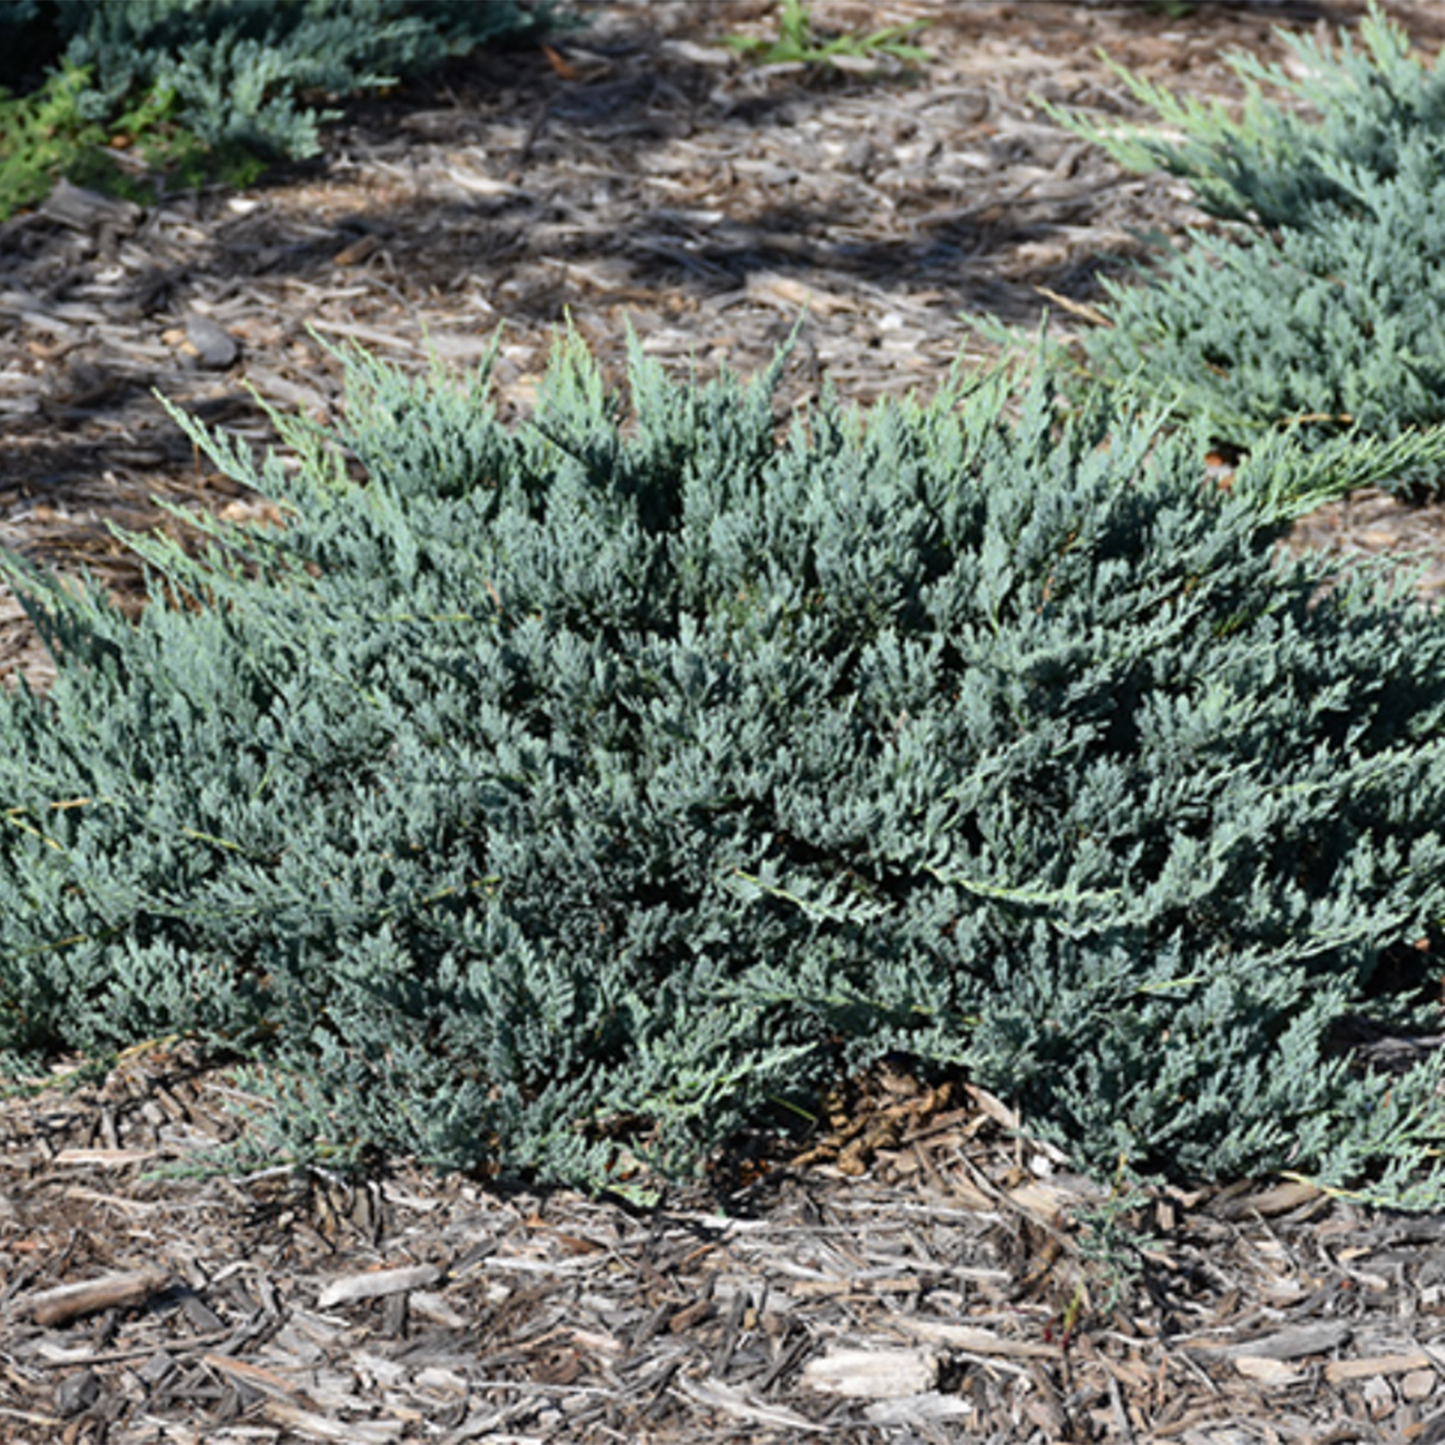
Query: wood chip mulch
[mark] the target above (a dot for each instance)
(922, 1272)
(917, 1269)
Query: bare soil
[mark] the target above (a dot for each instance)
(921, 1270)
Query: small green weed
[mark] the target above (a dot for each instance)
(799, 42)
(1112, 1246)
(41, 137)
(46, 135)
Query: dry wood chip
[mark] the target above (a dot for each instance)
(77, 1392)
(478, 183)
(1339, 1370)
(975, 1341)
(995, 1108)
(874, 1374)
(375, 1283)
(1288, 1344)
(1281, 1199)
(1048, 1202)
(358, 250)
(917, 1409)
(83, 210)
(1419, 1384)
(733, 1401)
(698, 54)
(323, 1427)
(391, 1373)
(435, 1308)
(443, 1381)
(691, 1315)
(42, 321)
(255, 1377)
(116, 1291)
(386, 340)
(284, 392)
(792, 296)
(827, 1288)
(106, 1158)
(1267, 1371)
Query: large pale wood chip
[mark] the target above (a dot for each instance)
(376, 1283)
(1279, 1199)
(918, 1409)
(105, 1158)
(1266, 1370)
(1337, 1371)
(874, 1374)
(1288, 1344)
(255, 1377)
(975, 1341)
(115, 1291)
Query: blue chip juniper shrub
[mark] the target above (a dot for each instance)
(553, 797)
(1315, 308)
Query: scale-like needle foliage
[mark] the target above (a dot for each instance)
(1317, 307)
(561, 794)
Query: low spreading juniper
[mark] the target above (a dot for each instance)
(1314, 309)
(559, 797)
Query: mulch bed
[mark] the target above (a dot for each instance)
(917, 1269)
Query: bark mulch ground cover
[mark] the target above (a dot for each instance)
(920, 1271)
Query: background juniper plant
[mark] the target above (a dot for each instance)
(1315, 308)
(554, 797)
(213, 88)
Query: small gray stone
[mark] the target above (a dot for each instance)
(216, 349)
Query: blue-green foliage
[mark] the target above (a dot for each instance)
(237, 70)
(569, 790)
(1317, 307)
